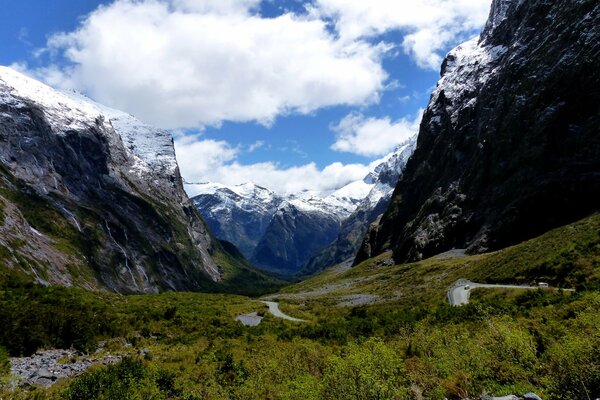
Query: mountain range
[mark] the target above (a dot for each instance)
(300, 233)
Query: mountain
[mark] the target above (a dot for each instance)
(92, 197)
(239, 214)
(281, 233)
(509, 146)
(353, 229)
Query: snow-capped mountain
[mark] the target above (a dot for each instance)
(353, 228)
(92, 197)
(282, 233)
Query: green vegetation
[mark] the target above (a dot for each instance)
(34, 317)
(4, 364)
(129, 379)
(407, 344)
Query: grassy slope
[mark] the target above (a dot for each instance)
(567, 257)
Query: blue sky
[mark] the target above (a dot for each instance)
(290, 94)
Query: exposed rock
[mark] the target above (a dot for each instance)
(251, 319)
(92, 197)
(509, 146)
(46, 367)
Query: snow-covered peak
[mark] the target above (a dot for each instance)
(151, 149)
(244, 190)
(62, 112)
(340, 203)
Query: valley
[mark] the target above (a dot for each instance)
(187, 335)
(452, 255)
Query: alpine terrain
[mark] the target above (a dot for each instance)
(465, 265)
(303, 232)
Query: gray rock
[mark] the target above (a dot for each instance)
(531, 396)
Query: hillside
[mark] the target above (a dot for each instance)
(508, 146)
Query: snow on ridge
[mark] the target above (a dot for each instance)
(63, 113)
(151, 149)
(466, 68)
(339, 203)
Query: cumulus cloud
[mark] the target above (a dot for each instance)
(428, 25)
(370, 137)
(206, 160)
(183, 63)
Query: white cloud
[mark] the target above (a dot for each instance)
(183, 63)
(216, 161)
(373, 136)
(429, 25)
(256, 145)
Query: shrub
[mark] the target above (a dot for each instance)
(128, 379)
(369, 371)
(4, 362)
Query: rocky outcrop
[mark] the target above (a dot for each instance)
(91, 197)
(509, 146)
(47, 367)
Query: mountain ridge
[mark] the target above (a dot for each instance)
(260, 222)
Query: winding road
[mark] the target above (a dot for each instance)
(276, 312)
(458, 294)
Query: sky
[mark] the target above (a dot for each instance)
(290, 94)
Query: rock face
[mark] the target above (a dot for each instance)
(281, 233)
(91, 197)
(509, 146)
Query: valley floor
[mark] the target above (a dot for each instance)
(373, 331)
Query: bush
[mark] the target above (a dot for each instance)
(128, 379)
(368, 371)
(33, 317)
(4, 362)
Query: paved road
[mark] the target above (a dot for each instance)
(458, 294)
(274, 309)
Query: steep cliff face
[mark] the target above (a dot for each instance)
(509, 145)
(91, 197)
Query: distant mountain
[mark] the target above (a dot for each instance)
(509, 146)
(355, 226)
(281, 233)
(92, 197)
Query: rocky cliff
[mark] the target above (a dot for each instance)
(509, 146)
(91, 197)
